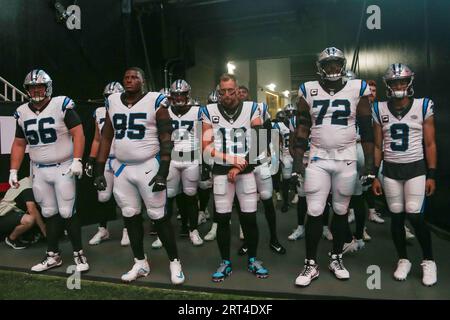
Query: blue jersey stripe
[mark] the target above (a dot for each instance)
(158, 101)
(377, 112)
(65, 103)
(302, 87)
(363, 88)
(206, 112)
(254, 107)
(426, 101)
(199, 115)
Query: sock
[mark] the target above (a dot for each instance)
(359, 205)
(192, 211)
(276, 182)
(326, 214)
(136, 235)
(73, 227)
(301, 210)
(181, 206)
(204, 196)
(223, 234)
(55, 228)
(285, 192)
(422, 233)
(370, 198)
(250, 230)
(169, 207)
(348, 231)
(269, 211)
(398, 234)
(339, 224)
(313, 232)
(167, 237)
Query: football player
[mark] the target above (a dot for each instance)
(104, 196)
(327, 110)
(405, 136)
(280, 117)
(140, 124)
(227, 139)
(54, 134)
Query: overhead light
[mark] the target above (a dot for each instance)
(286, 93)
(271, 86)
(231, 67)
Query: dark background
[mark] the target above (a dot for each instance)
(414, 32)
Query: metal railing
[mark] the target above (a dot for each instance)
(10, 93)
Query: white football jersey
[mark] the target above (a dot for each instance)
(333, 132)
(284, 132)
(403, 136)
(186, 129)
(48, 137)
(135, 131)
(231, 136)
(100, 116)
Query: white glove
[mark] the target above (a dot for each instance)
(13, 181)
(75, 169)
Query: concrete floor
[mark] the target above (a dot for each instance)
(108, 261)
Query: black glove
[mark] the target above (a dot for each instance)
(206, 172)
(159, 183)
(89, 167)
(100, 183)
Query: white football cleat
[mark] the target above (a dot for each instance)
(278, 196)
(176, 273)
(351, 215)
(408, 234)
(101, 235)
(157, 244)
(295, 199)
(211, 235)
(366, 236)
(429, 269)
(403, 268)
(326, 233)
(298, 233)
(140, 269)
(195, 238)
(125, 241)
(375, 216)
(51, 260)
(80, 261)
(337, 267)
(309, 273)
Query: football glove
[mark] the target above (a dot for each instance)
(75, 169)
(89, 167)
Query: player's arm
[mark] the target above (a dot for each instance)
(301, 135)
(430, 154)
(364, 118)
(164, 126)
(378, 155)
(73, 123)
(102, 154)
(89, 168)
(17, 154)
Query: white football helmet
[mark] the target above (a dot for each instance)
(398, 71)
(180, 88)
(113, 87)
(327, 55)
(38, 77)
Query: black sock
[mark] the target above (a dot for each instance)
(192, 210)
(181, 207)
(167, 236)
(398, 234)
(55, 228)
(423, 234)
(269, 211)
(223, 234)
(313, 232)
(359, 205)
(204, 196)
(339, 225)
(250, 230)
(169, 207)
(326, 215)
(285, 192)
(370, 198)
(348, 232)
(301, 210)
(73, 228)
(136, 235)
(276, 182)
